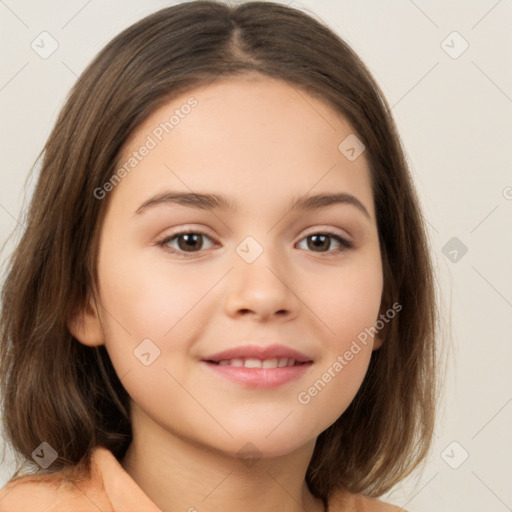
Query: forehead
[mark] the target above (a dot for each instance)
(242, 106)
(252, 134)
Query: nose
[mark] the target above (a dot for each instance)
(262, 289)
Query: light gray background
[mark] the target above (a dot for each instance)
(454, 115)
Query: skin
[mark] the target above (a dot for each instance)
(262, 143)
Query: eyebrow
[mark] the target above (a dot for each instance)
(205, 201)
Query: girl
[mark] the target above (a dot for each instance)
(223, 298)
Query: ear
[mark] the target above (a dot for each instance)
(377, 341)
(380, 335)
(86, 326)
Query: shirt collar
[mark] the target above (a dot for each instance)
(123, 492)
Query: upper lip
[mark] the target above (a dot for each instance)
(259, 352)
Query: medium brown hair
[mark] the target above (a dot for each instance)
(58, 390)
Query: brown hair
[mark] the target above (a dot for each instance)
(58, 390)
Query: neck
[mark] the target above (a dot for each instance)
(180, 475)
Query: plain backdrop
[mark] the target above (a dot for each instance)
(445, 70)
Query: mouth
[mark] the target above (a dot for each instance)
(250, 362)
(258, 366)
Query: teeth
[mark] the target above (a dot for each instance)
(281, 362)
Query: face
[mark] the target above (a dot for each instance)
(236, 320)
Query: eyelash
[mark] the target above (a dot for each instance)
(345, 244)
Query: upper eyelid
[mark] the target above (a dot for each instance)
(330, 231)
(185, 231)
(311, 231)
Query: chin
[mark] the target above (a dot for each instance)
(257, 443)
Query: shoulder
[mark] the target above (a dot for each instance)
(341, 501)
(37, 492)
(54, 492)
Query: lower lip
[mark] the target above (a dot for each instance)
(260, 377)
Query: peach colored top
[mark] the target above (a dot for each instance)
(110, 488)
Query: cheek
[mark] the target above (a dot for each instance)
(348, 305)
(331, 390)
(148, 301)
(349, 301)
(149, 324)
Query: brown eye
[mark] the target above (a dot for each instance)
(322, 243)
(319, 242)
(190, 241)
(186, 242)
